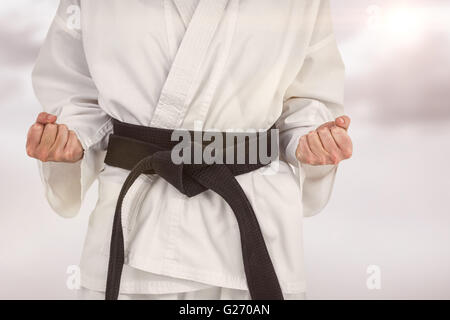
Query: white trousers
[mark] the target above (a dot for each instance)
(212, 293)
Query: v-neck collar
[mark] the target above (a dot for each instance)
(186, 9)
(184, 72)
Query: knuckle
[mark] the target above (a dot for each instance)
(323, 131)
(335, 157)
(30, 152)
(50, 127)
(337, 130)
(42, 155)
(348, 153)
(315, 161)
(58, 156)
(34, 132)
(63, 127)
(309, 160)
(69, 154)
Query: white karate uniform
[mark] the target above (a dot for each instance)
(210, 293)
(192, 64)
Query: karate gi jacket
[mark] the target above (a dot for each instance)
(197, 65)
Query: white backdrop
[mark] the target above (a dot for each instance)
(389, 206)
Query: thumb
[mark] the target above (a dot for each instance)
(343, 122)
(45, 118)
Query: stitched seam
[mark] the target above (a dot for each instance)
(320, 44)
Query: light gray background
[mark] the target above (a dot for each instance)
(390, 204)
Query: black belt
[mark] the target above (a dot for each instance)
(147, 150)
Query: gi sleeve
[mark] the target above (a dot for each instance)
(315, 97)
(64, 87)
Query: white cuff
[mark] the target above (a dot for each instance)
(66, 184)
(316, 184)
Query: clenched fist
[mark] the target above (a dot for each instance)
(48, 141)
(328, 144)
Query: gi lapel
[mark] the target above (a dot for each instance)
(172, 104)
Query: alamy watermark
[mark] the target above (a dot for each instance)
(373, 281)
(73, 17)
(232, 146)
(73, 281)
